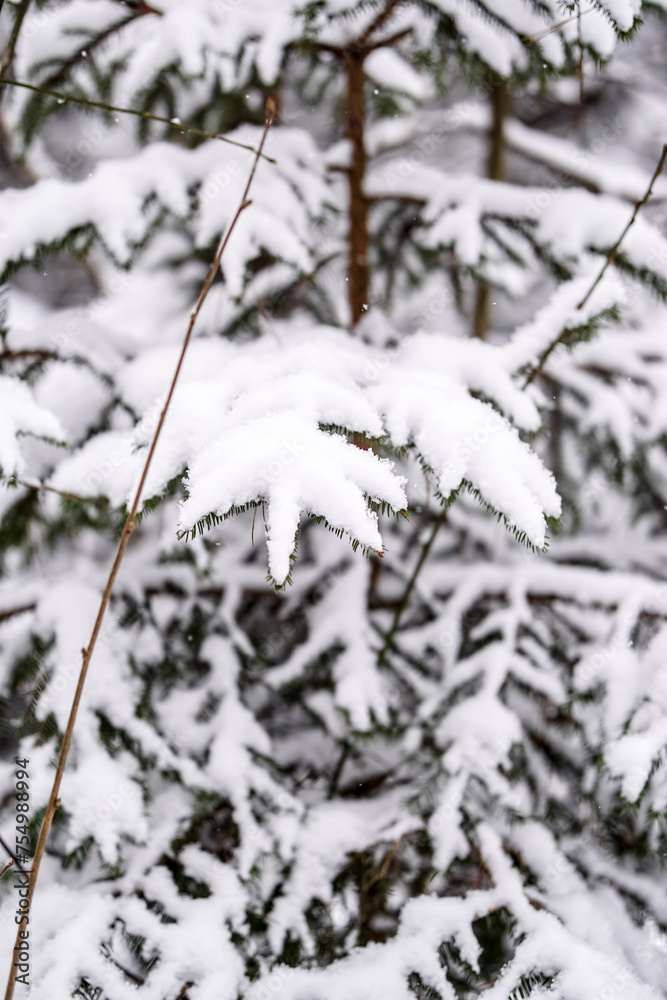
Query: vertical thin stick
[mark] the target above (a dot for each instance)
(611, 257)
(358, 268)
(130, 524)
(501, 106)
(389, 640)
(358, 238)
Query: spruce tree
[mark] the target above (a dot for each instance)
(379, 705)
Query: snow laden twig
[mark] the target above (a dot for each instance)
(86, 102)
(138, 8)
(610, 258)
(128, 528)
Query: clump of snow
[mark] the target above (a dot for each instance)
(20, 414)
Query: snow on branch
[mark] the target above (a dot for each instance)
(20, 414)
(123, 200)
(274, 423)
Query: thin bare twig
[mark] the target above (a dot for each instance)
(130, 524)
(611, 257)
(138, 10)
(539, 35)
(62, 493)
(426, 548)
(394, 39)
(179, 126)
(15, 860)
(11, 612)
(40, 354)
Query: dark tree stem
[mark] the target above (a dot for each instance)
(353, 56)
(358, 273)
(501, 106)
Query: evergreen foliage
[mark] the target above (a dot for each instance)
(419, 754)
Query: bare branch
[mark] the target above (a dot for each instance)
(190, 129)
(129, 527)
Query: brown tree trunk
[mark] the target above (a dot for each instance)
(501, 106)
(358, 273)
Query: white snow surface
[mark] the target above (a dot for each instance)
(259, 423)
(21, 414)
(116, 201)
